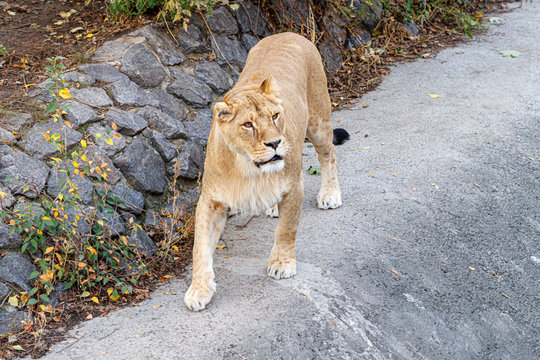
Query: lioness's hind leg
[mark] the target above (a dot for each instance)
(320, 134)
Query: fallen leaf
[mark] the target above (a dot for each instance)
(426, 55)
(472, 268)
(394, 238)
(435, 185)
(395, 272)
(101, 353)
(512, 53)
(337, 227)
(365, 105)
(314, 170)
(64, 93)
(506, 296)
(530, 158)
(18, 347)
(365, 148)
(76, 29)
(138, 336)
(305, 293)
(494, 20)
(59, 22)
(370, 174)
(66, 14)
(162, 279)
(221, 247)
(89, 317)
(434, 96)
(157, 306)
(478, 15)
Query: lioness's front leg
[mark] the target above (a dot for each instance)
(209, 223)
(282, 261)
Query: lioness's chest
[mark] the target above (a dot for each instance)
(253, 197)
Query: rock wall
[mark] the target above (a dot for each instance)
(158, 91)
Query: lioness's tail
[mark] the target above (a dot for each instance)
(340, 136)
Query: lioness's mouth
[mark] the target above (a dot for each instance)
(274, 158)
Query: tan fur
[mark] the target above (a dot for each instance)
(283, 75)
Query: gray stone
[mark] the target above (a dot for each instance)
(411, 27)
(369, 12)
(161, 44)
(14, 121)
(81, 226)
(170, 127)
(9, 240)
(331, 56)
(142, 242)
(170, 104)
(142, 67)
(188, 199)
(213, 75)
(190, 89)
(92, 95)
(356, 40)
(4, 291)
(29, 208)
(15, 268)
(111, 50)
(99, 157)
(113, 222)
(222, 22)
(200, 126)
(143, 167)
(133, 199)
(57, 184)
(83, 79)
(335, 28)
(191, 161)
(292, 13)
(6, 199)
(6, 137)
(191, 40)
(79, 114)
(231, 49)
(35, 143)
(99, 135)
(12, 322)
(103, 72)
(126, 92)
(251, 18)
(167, 150)
(128, 123)
(18, 170)
(249, 41)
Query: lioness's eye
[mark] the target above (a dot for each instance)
(247, 124)
(275, 116)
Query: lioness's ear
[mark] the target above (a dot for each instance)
(268, 86)
(223, 112)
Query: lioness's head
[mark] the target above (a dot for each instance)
(250, 121)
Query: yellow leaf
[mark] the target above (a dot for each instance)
(59, 257)
(92, 250)
(89, 35)
(3, 194)
(479, 15)
(95, 299)
(76, 164)
(59, 22)
(64, 93)
(18, 347)
(48, 250)
(13, 301)
(46, 218)
(56, 159)
(157, 306)
(109, 141)
(221, 247)
(434, 96)
(83, 143)
(61, 197)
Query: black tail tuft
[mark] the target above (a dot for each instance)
(340, 136)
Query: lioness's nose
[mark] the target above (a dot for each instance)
(273, 144)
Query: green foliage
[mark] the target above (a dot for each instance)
(97, 262)
(166, 9)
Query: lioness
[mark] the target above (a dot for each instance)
(254, 154)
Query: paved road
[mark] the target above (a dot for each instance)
(434, 255)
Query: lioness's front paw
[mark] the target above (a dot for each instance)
(198, 296)
(273, 211)
(281, 269)
(329, 199)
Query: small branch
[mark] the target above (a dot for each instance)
(7, 71)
